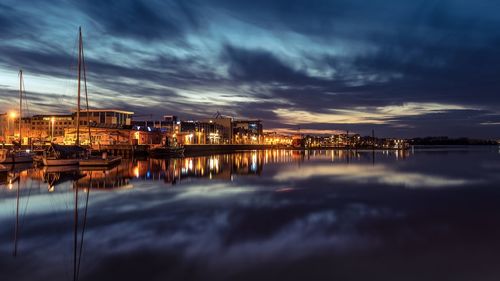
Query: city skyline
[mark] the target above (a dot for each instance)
(403, 69)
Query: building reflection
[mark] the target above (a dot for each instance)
(174, 171)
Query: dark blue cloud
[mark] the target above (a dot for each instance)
(135, 18)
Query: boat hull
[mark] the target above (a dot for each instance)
(13, 157)
(17, 159)
(99, 162)
(60, 162)
(167, 152)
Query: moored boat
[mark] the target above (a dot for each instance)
(167, 151)
(63, 155)
(8, 156)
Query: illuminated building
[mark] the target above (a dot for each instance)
(113, 135)
(45, 127)
(225, 129)
(197, 132)
(106, 116)
(273, 138)
(247, 132)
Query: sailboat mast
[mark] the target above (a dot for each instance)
(20, 104)
(80, 45)
(86, 97)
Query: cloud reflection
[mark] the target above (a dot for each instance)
(366, 174)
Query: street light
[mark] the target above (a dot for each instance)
(12, 115)
(52, 120)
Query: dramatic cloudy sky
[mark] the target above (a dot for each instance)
(404, 68)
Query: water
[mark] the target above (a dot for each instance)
(430, 214)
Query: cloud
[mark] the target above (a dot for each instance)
(364, 115)
(138, 19)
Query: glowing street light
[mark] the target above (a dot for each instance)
(52, 120)
(12, 115)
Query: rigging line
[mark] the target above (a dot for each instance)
(26, 99)
(86, 95)
(23, 216)
(67, 83)
(75, 229)
(83, 227)
(26, 103)
(16, 228)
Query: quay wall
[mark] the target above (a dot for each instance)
(204, 149)
(213, 148)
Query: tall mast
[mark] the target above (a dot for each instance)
(86, 97)
(80, 46)
(20, 104)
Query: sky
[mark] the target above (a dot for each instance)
(402, 68)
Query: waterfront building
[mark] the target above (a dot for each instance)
(114, 135)
(106, 116)
(8, 127)
(247, 132)
(273, 138)
(225, 129)
(169, 124)
(4, 119)
(198, 132)
(32, 131)
(49, 127)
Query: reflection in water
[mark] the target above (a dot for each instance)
(379, 173)
(216, 167)
(257, 215)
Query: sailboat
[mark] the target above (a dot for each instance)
(59, 155)
(90, 160)
(17, 155)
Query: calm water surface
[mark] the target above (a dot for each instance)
(428, 214)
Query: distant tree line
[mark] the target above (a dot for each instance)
(450, 141)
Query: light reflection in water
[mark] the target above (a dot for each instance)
(348, 166)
